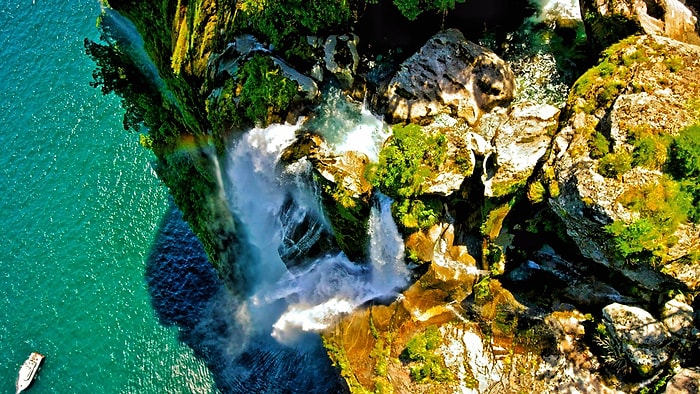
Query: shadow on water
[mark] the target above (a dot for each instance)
(186, 293)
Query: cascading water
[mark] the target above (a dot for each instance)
(347, 126)
(314, 294)
(266, 342)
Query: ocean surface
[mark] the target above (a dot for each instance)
(80, 211)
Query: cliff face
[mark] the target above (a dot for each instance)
(531, 228)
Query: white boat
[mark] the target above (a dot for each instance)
(28, 371)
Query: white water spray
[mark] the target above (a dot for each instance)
(313, 296)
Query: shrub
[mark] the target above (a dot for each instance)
(415, 214)
(614, 165)
(662, 202)
(263, 89)
(599, 145)
(407, 159)
(636, 242)
(684, 166)
(281, 22)
(421, 350)
(411, 9)
(685, 153)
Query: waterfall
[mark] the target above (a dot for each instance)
(127, 38)
(348, 126)
(272, 200)
(389, 273)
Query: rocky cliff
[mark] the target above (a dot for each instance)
(553, 247)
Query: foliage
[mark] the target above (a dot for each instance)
(405, 163)
(604, 30)
(663, 205)
(600, 85)
(142, 101)
(614, 165)
(421, 351)
(684, 166)
(407, 160)
(674, 63)
(685, 153)
(263, 89)
(411, 9)
(340, 360)
(281, 22)
(536, 192)
(599, 145)
(416, 213)
(638, 241)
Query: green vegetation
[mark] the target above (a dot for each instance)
(263, 89)
(257, 95)
(340, 360)
(407, 160)
(405, 163)
(411, 9)
(604, 30)
(348, 217)
(417, 213)
(600, 85)
(282, 22)
(662, 205)
(614, 165)
(427, 365)
(684, 166)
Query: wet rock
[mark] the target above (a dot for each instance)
(344, 189)
(341, 57)
(641, 337)
(449, 74)
(687, 381)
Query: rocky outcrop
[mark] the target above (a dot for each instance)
(518, 145)
(669, 18)
(344, 189)
(639, 336)
(448, 74)
(634, 88)
(686, 381)
(341, 58)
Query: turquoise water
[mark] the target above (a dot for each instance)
(79, 212)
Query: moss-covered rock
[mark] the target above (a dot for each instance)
(631, 96)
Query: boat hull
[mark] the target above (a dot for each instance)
(28, 371)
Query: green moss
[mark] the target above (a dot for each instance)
(340, 360)
(482, 291)
(684, 166)
(599, 145)
(347, 215)
(536, 192)
(426, 364)
(614, 165)
(415, 214)
(674, 63)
